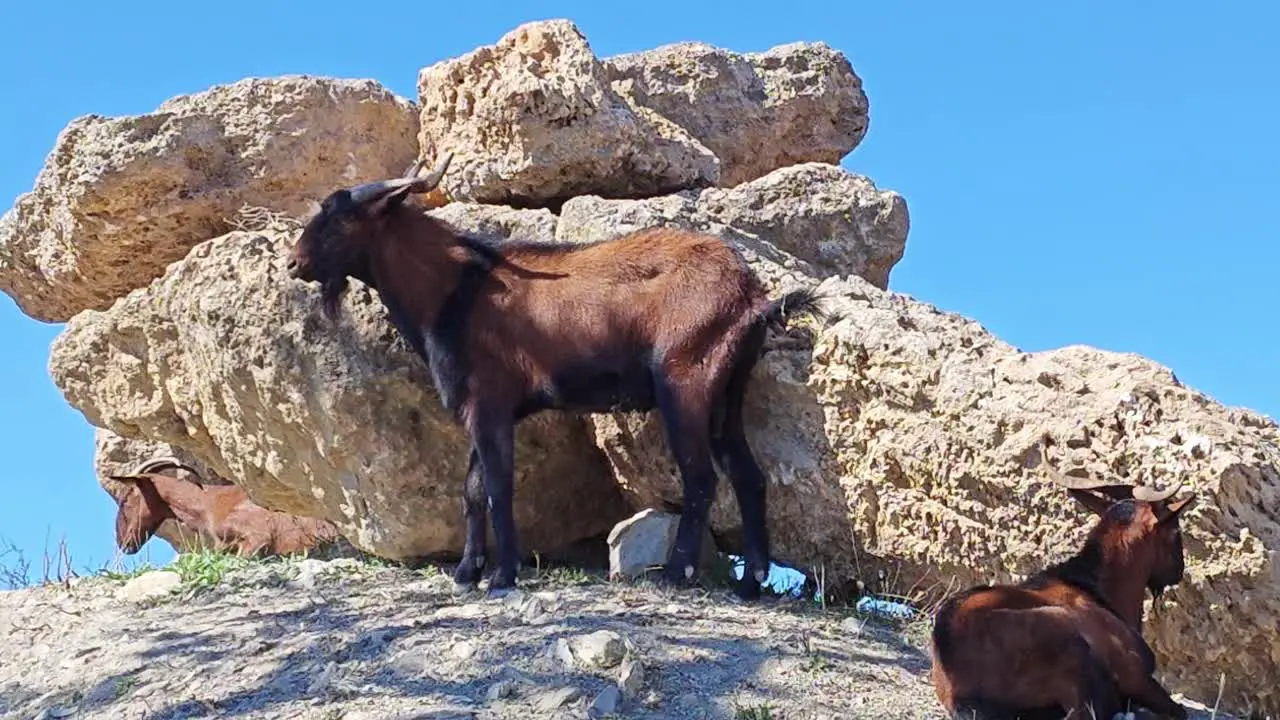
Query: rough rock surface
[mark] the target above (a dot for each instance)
(361, 643)
(115, 455)
(792, 104)
(119, 198)
(226, 357)
(909, 442)
(533, 119)
(836, 221)
(499, 220)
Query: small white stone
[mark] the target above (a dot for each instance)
(148, 585)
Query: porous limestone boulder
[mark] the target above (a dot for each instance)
(825, 220)
(117, 455)
(905, 448)
(794, 103)
(119, 198)
(228, 358)
(533, 120)
(499, 221)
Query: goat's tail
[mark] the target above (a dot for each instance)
(805, 301)
(941, 641)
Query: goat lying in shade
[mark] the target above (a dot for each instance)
(165, 488)
(658, 318)
(1068, 639)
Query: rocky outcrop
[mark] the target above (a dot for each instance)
(533, 119)
(115, 455)
(537, 118)
(499, 220)
(906, 447)
(795, 103)
(830, 220)
(226, 357)
(120, 198)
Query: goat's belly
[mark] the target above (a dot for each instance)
(599, 390)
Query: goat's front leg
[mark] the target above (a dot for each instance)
(493, 437)
(474, 502)
(1152, 695)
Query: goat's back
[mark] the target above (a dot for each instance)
(1003, 649)
(663, 288)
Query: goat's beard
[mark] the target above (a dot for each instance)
(331, 292)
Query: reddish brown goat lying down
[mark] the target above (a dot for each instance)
(165, 488)
(1068, 639)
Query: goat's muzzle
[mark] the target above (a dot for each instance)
(296, 270)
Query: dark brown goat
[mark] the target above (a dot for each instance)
(223, 513)
(660, 317)
(1069, 638)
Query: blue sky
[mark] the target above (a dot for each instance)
(1080, 172)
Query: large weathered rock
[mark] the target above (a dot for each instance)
(120, 198)
(227, 358)
(794, 103)
(831, 219)
(115, 455)
(911, 441)
(533, 119)
(499, 221)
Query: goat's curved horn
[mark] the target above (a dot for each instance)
(369, 192)
(415, 168)
(433, 178)
(1147, 494)
(417, 183)
(1106, 487)
(1137, 492)
(1072, 482)
(158, 464)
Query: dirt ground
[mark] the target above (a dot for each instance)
(344, 639)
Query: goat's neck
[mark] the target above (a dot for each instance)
(1123, 578)
(188, 502)
(418, 273)
(1115, 572)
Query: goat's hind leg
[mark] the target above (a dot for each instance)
(750, 486)
(474, 502)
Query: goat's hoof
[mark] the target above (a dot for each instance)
(499, 593)
(678, 576)
(467, 574)
(501, 583)
(462, 588)
(747, 589)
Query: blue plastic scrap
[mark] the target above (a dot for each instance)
(877, 606)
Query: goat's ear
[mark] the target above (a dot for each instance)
(390, 201)
(1096, 504)
(127, 479)
(1176, 508)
